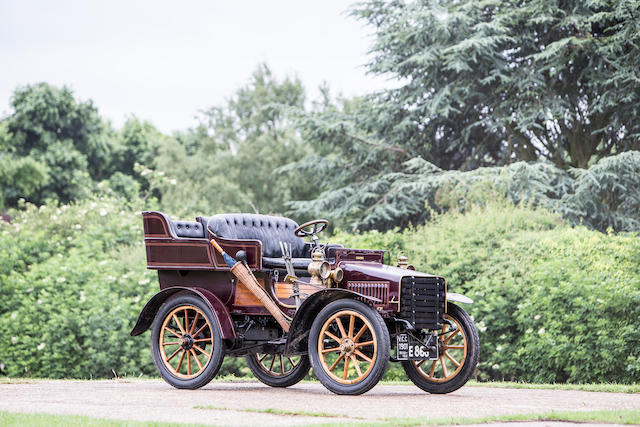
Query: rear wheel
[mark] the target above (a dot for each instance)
(277, 370)
(186, 344)
(459, 351)
(349, 347)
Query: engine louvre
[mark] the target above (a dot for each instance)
(422, 301)
(378, 290)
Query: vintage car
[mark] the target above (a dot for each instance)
(248, 285)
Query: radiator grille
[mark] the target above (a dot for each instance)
(422, 301)
(378, 290)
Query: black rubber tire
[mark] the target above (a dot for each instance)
(211, 369)
(468, 367)
(383, 343)
(291, 378)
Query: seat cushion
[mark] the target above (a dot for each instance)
(298, 263)
(187, 229)
(270, 230)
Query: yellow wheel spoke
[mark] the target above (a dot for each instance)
(454, 361)
(359, 353)
(365, 344)
(204, 340)
(433, 368)
(175, 319)
(357, 365)
(451, 336)
(342, 331)
(293, 365)
(281, 365)
(173, 332)
(193, 324)
(171, 343)
(196, 357)
(454, 347)
(189, 363)
(195, 334)
(420, 363)
(444, 367)
(186, 320)
(273, 361)
(329, 350)
(336, 363)
(346, 368)
(181, 360)
(263, 357)
(333, 337)
(174, 353)
(201, 351)
(352, 320)
(360, 332)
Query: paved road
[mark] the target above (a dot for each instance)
(156, 401)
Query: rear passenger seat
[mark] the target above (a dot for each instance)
(188, 229)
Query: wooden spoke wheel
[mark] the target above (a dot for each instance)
(458, 349)
(278, 370)
(349, 347)
(186, 344)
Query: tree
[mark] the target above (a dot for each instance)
(496, 81)
(228, 163)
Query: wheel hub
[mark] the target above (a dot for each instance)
(186, 341)
(347, 346)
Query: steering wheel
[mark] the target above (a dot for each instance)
(318, 226)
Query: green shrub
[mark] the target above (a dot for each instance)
(72, 282)
(553, 303)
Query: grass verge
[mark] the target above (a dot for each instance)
(11, 419)
(616, 416)
(274, 411)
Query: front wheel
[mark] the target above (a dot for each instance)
(186, 344)
(277, 370)
(349, 347)
(458, 350)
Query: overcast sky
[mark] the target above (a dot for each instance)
(163, 61)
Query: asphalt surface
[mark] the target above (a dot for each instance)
(235, 404)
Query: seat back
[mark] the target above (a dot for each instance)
(270, 230)
(189, 229)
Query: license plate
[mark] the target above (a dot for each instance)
(411, 349)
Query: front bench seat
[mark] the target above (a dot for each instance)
(270, 230)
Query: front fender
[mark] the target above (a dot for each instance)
(306, 314)
(148, 313)
(452, 296)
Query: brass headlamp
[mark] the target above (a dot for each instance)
(319, 269)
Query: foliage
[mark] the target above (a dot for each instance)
(553, 303)
(497, 80)
(228, 163)
(73, 281)
(605, 195)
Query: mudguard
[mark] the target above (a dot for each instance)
(452, 296)
(148, 313)
(306, 314)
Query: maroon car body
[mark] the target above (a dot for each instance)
(406, 300)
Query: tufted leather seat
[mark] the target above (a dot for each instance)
(270, 230)
(189, 229)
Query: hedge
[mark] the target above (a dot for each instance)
(553, 303)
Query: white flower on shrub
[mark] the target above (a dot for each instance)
(83, 298)
(541, 331)
(14, 315)
(41, 346)
(14, 340)
(481, 326)
(77, 227)
(144, 281)
(537, 317)
(103, 212)
(499, 348)
(62, 279)
(39, 302)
